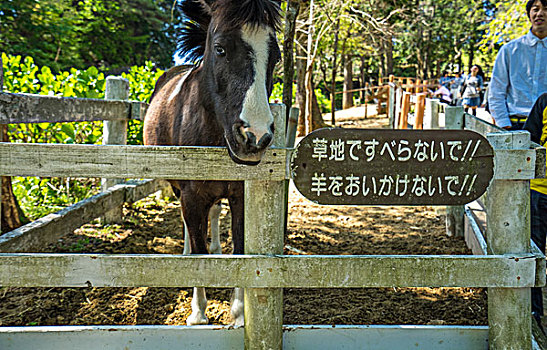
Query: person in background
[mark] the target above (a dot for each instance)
(536, 124)
(445, 80)
(443, 94)
(471, 90)
(485, 104)
(455, 89)
(520, 71)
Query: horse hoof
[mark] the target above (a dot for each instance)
(237, 309)
(215, 249)
(239, 321)
(197, 318)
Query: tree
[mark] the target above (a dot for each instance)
(111, 34)
(508, 21)
(291, 13)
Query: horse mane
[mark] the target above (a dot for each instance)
(233, 14)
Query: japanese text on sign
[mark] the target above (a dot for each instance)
(365, 166)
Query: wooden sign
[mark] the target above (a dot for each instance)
(398, 167)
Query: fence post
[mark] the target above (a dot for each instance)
(114, 133)
(391, 103)
(508, 225)
(264, 234)
(405, 109)
(398, 106)
(431, 114)
(365, 99)
(419, 111)
(454, 119)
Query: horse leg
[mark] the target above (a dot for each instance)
(236, 207)
(214, 216)
(195, 231)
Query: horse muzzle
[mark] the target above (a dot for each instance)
(247, 145)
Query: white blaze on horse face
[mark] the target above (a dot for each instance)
(256, 109)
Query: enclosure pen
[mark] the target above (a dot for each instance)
(509, 270)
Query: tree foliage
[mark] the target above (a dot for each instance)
(508, 21)
(111, 35)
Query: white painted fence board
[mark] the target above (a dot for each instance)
(121, 337)
(218, 338)
(116, 161)
(387, 337)
(30, 108)
(48, 229)
(260, 271)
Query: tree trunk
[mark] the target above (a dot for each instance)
(309, 70)
(333, 76)
(347, 97)
(10, 212)
(293, 8)
(389, 55)
(471, 56)
(301, 91)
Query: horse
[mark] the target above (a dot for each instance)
(222, 100)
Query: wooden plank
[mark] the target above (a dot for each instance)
(479, 125)
(420, 109)
(114, 133)
(166, 162)
(387, 337)
(473, 230)
(514, 164)
(121, 337)
(405, 109)
(50, 228)
(431, 114)
(260, 271)
(30, 108)
(368, 337)
(508, 223)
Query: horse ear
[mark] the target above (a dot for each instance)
(207, 4)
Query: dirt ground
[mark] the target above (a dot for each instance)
(153, 226)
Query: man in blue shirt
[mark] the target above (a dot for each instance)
(520, 72)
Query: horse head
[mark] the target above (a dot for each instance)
(238, 51)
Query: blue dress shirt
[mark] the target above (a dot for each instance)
(518, 79)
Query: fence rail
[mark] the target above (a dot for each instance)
(30, 108)
(116, 161)
(261, 271)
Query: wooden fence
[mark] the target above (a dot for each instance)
(502, 211)
(509, 270)
(380, 93)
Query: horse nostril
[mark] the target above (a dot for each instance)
(265, 140)
(251, 138)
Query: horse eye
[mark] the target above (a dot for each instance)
(219, 50)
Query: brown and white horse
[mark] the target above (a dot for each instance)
(221, 101)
